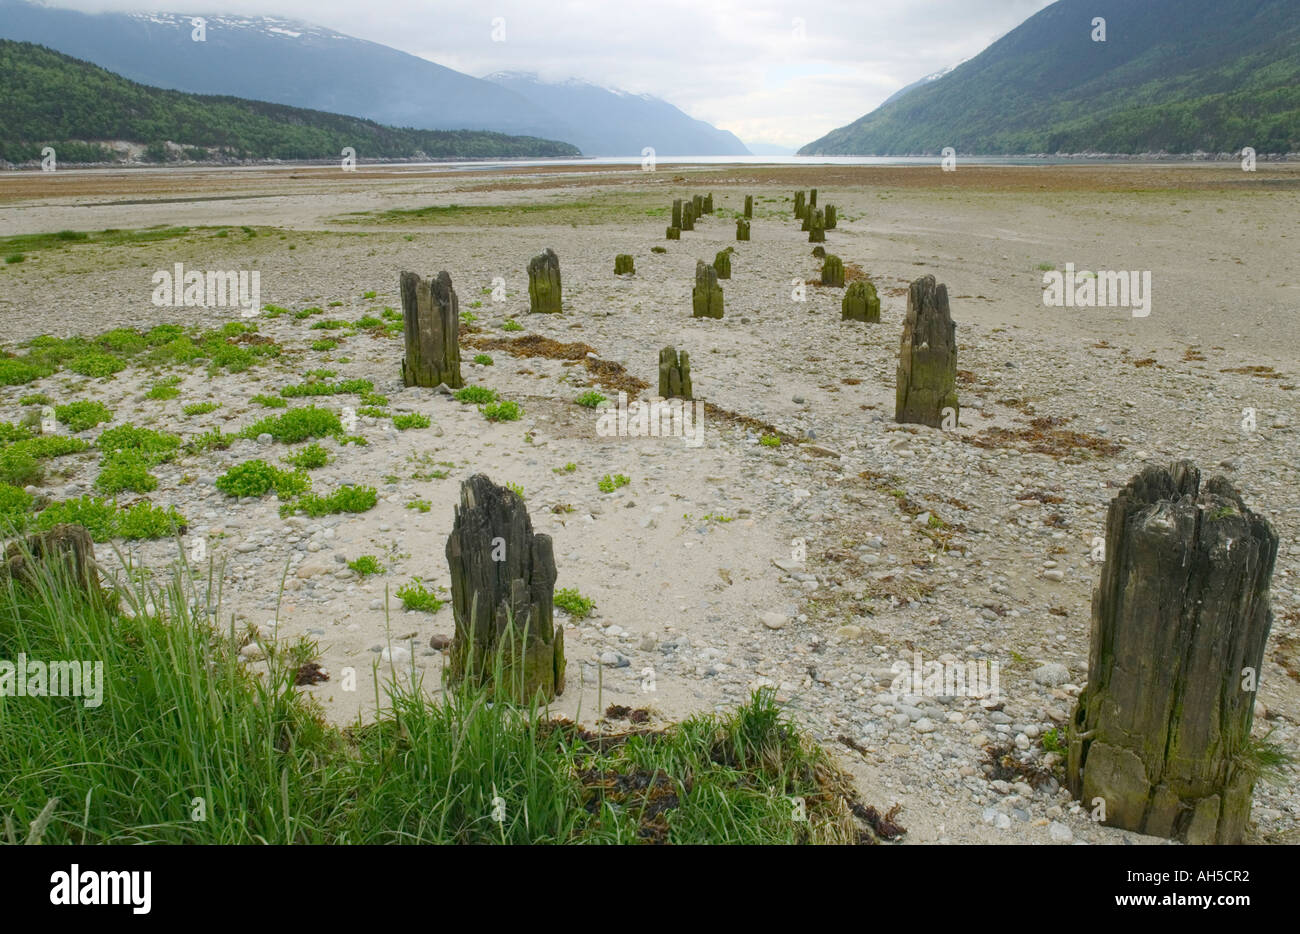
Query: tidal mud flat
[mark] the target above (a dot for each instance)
(810, 568)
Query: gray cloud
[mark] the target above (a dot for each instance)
(768, 71)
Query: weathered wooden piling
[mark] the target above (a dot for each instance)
(798, 204)
(544, 283)
(831, 217)
(431, 328)
(677, 213)
(742, 229)
(749, 206)
(502, 592)
(688, 216)
(674, 374)
(674, 233)
(812, 199)
(708, 203)
(927, 357)
(623, 265)
(816, 226)
(61, 556)
(1161, 733)
(706, 296)
(860, 302)
(833, 271)
(722, 262)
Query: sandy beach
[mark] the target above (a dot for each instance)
(694, 566)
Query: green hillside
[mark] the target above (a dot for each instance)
(1173, 75)
(50, 99)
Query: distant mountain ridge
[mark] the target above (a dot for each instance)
(606, 122)
(301, 65)
(1176, 76)
(87, 113)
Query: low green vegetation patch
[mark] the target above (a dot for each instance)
(156, 446)
(296, 425)
(125, 472)
(105, 520)
(81, 416)
(366, 565)
(309, 458)
(415, 596)
(590, 399)
(201, 408)
(503, 411)
(410, 420)
(475, 395)
(344, 499)
(574, 603)
(257, 478)
(608, 484)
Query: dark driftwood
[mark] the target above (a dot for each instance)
(431, 316)
(927, 357)
(1162, 730)
(544, 294)
(860, 302)
(502, 591)
(674, 374)
(706, 297)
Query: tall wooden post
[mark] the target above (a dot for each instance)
(926, 383)
(431, 319)
(1160, 737)
(503, 591)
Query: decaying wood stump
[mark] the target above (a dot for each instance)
(62, 556)
(812, 199)
(431, 318)
(708, 203)
(544, 283)
(706, 297)
(697, 206)
(502, 591)
(1180, 616)
(677, 213)
(623, 265)
(722, 262)
(742, 229)
(816, 226)
(833, 271)
(799, 204)
(807, 219)
(860, 303)
(819, 252)
(749, 206)
(688, 216)
(674, 233)
(927, 357)
(674, 374)
(831, 217)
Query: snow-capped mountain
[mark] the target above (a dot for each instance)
(288, 62)
(609, 122)
(921, 82)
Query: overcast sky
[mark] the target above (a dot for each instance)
(768, 71)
